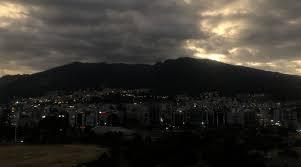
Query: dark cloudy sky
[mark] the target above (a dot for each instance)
(39, 34)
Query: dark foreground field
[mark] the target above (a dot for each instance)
(48, 155)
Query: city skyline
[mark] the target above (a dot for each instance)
(39, 35)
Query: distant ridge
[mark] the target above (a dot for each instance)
(182, 75)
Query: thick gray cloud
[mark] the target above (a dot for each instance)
(37, 35)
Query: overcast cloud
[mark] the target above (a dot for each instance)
(40, 34)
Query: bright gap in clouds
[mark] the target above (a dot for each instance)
(202, 53)
(211, 56)
(11, 14)
(12, 11)
(288, 67)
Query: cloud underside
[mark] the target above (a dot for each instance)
(37, 35)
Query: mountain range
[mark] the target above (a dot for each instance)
(182, 75)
